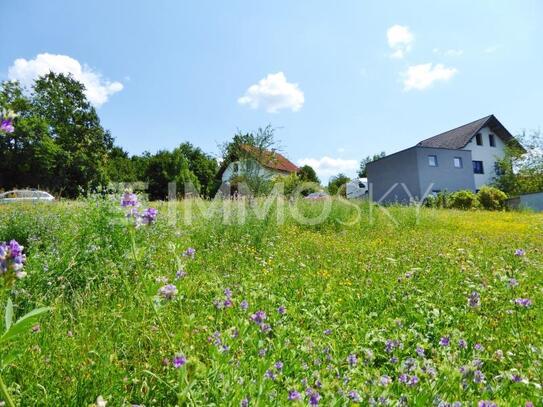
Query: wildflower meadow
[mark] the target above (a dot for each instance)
(409, 307)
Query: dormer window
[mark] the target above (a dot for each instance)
(479, 139)
(236, 168)
(491, 140)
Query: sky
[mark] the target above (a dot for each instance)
(338, 80)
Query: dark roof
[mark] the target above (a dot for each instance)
(458, 138)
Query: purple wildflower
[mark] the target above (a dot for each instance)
(474, 299)
(444, 341)
(513, 282)
(385, 380)
(262, 352)
(168, 292)
(278, 365)
(190, 252)
(282, 310)
(516, 378)
(149, 216)
(6, 126)
(179, 361)
(327, 331)
(486, 403)
(352, 359)
(129, 200)
(403, 378)
(269, 375)
(244, 402)
(265, 328)
(180, 274)
(354, 396)
(227, 303)
(478, 347)
(478, 376)
(523, 302)
(462, 344)
(293, 395)
(228, 293)
(519, 252)
(413, 380)
(258, 317)
(314, 398)
(420, 351)
(244, 305)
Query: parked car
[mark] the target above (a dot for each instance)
(317, 195)
(26, 195)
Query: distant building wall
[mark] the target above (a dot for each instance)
(444, 176)
(387, 175)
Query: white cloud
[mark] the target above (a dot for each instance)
(97, 89)
(273, 93)
(422, 76)
(449, 52)
(326, 167)
(491, 49)
(400, 40)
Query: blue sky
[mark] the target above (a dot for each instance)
(340, 80)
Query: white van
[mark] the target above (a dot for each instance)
(357, 188)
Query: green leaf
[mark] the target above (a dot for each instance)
(23, 324)
(8, 315)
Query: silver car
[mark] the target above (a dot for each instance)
(26, 195)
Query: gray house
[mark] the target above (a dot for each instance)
(461, 158)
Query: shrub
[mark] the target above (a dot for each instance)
(463, 200)
(491, 198)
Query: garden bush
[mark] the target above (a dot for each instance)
(463, 200)
(491, 198)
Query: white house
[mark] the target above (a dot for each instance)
(266, 164)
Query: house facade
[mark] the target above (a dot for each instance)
(462, 158)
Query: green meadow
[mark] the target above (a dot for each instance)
(413, 307)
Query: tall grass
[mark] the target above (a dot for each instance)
(349, 284)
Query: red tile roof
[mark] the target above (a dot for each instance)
(271, 159)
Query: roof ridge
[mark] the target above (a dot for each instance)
(486, 118)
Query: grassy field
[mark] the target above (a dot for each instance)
(416, 311)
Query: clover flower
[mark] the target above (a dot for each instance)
(190, 252)
(352, 359)
(444, 341)
(168, 292)
(474, 299)
(149, 216)
(523, 302)
(354, 396)
(293, 395)
(129, 200)
(12, 261)
(259, 317)
(179, 361)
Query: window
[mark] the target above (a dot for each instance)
(479, 139)
(491, 140)
(432, 160)
(478, 167)
(361, 185)
(236, 168)
(458, 162)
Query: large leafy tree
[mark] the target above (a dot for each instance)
(521, 169)
(308, 174)
(29, 154)
(336, 184)
(75, 128)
